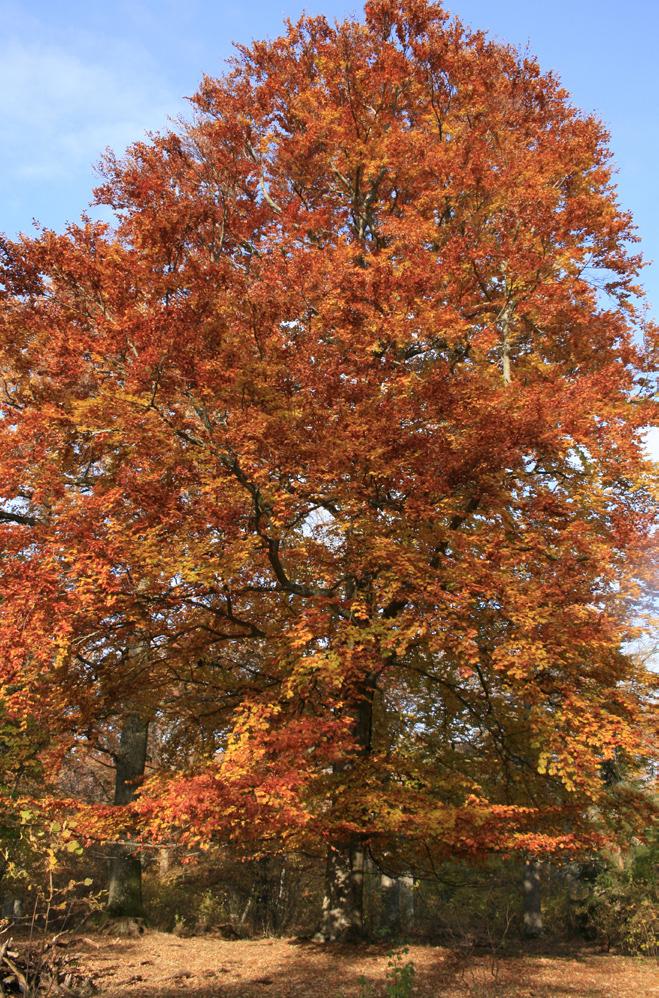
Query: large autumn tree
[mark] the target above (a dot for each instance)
(350, 394)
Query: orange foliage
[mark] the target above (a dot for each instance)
(348, 407)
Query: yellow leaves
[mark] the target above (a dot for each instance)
(91, 415)
(359, 609)
(62, 651)
(300, 637)
(552, 765)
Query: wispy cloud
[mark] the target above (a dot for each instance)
(60, 111)
(651, 441)
(63, 100)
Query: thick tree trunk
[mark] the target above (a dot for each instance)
(343, 903)
(532, 899)
(397, 904)
(125, 886)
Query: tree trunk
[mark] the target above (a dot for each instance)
(164, 861)
(391, 919)
(125, 887)
(343, 903)
(532, 899)
(264, 918)
(397, 904)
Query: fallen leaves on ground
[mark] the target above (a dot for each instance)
(158, 965)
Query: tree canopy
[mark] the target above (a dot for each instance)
(334, 435)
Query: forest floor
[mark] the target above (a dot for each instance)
(158, 965)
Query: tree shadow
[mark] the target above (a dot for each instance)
(301, 969)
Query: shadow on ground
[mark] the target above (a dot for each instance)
(162, 966)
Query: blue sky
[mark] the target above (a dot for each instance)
(76, 77)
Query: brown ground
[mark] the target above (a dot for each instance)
(157, 965)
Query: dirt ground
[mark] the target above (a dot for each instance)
(157, 965)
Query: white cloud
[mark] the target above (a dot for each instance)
(651, 441)
(60, 110)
